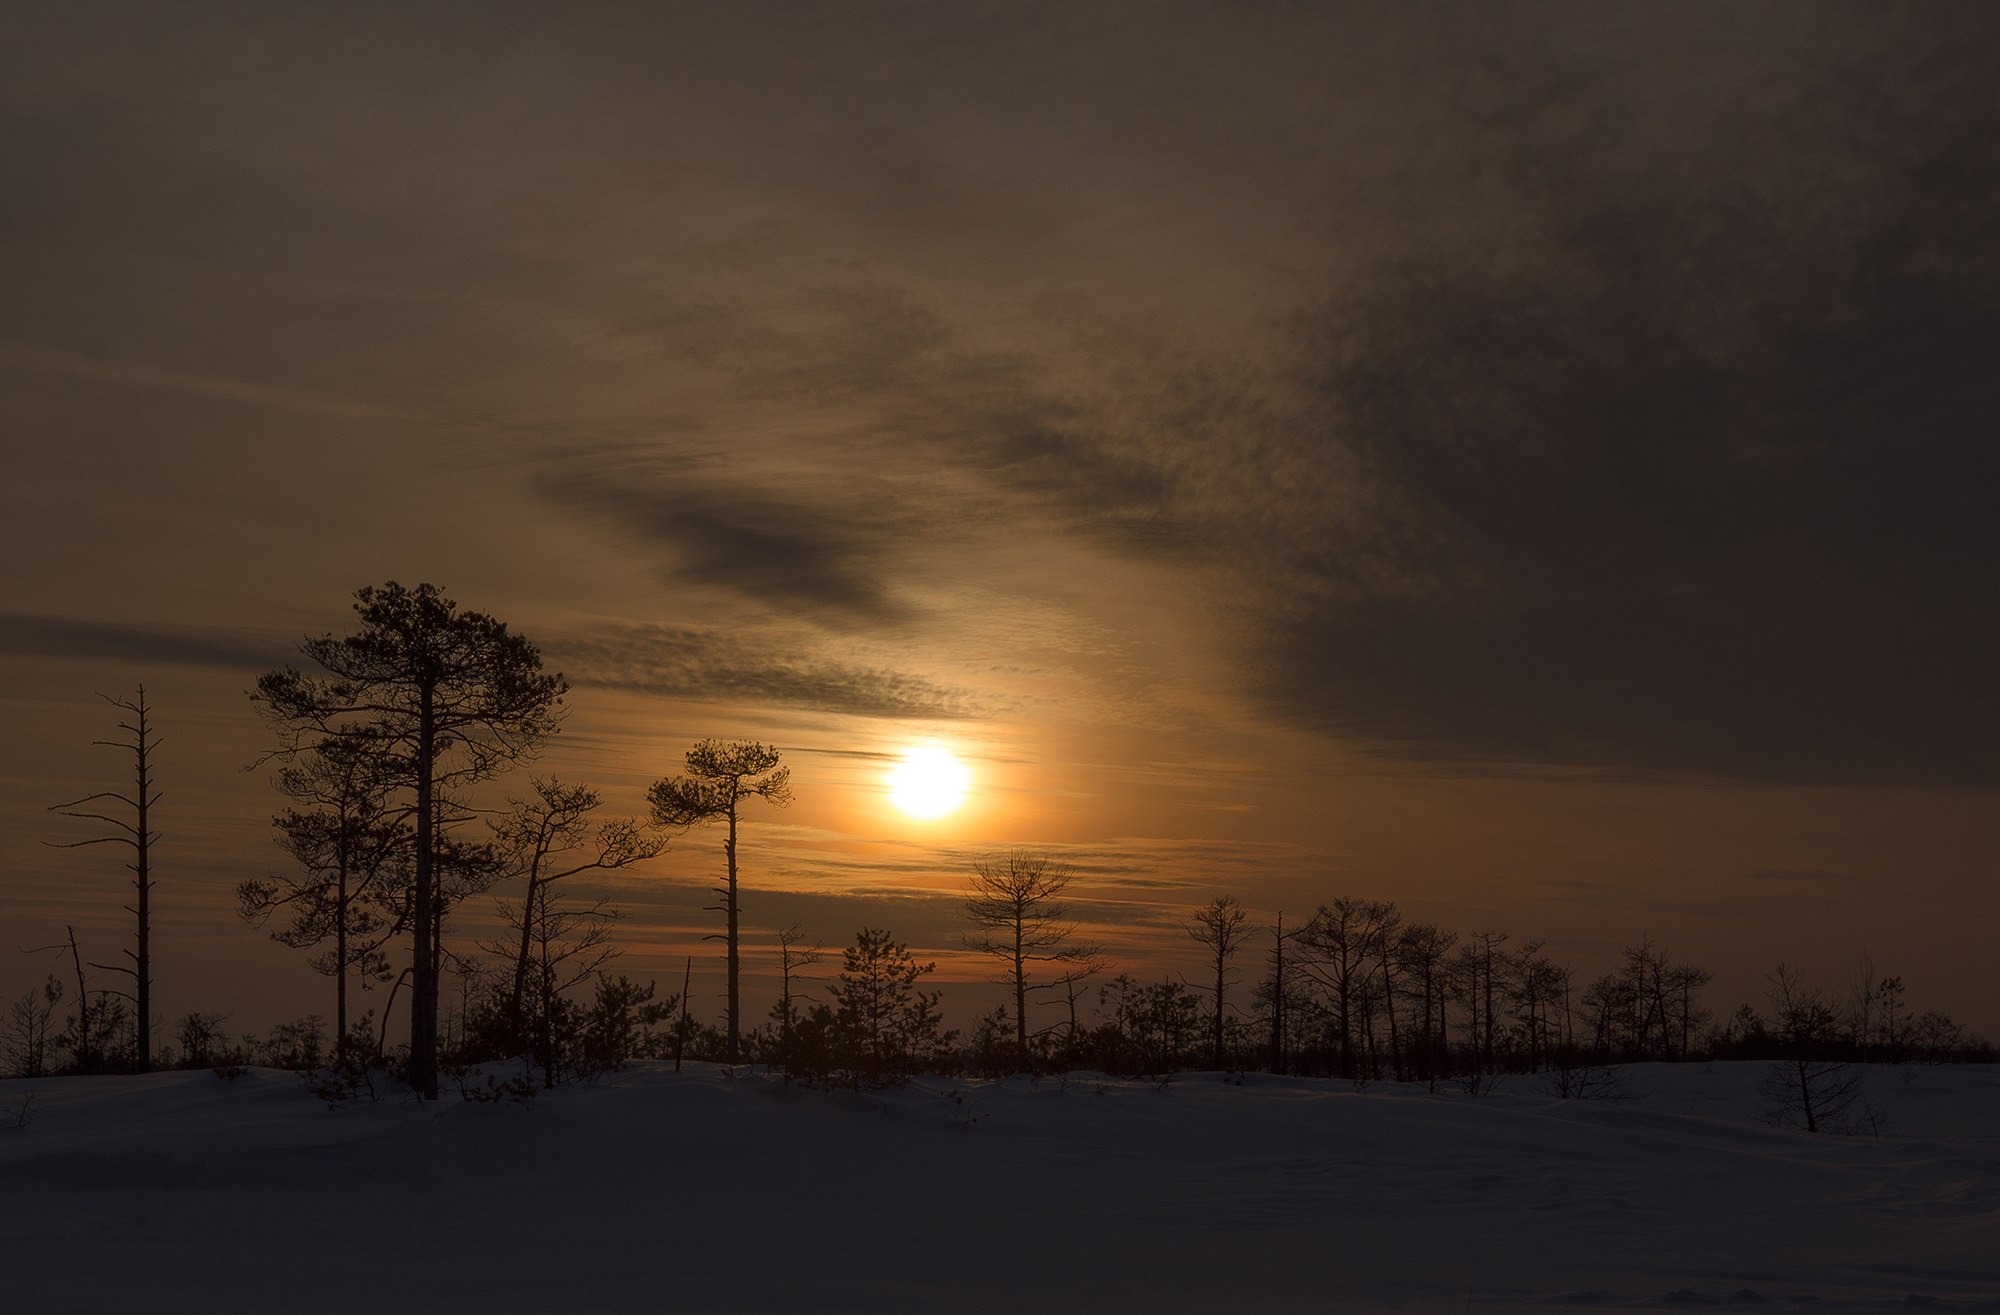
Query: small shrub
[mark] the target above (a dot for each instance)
(520, 1089)
(297, 1045)
(1572, 1079)
(341, 1084)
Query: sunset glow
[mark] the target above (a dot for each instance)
(1529, 470)
(928, 783)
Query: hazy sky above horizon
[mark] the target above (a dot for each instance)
(1532, 462)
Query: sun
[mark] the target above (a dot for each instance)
(928, 783)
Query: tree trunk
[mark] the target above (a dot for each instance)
(1220, 964)
(143, 987)
(1343, 1017)
(517, 1002)
(729, 851)
(545, 1027)
(1278, 1002)
(1488, 1047)
(681, 1028)
(1389, 1007)
(1020, 995)
(1071, 992)
(423, 933)
(84, 1059)
(340, 951)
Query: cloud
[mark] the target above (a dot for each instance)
(29, 356)
(230, 648)
(1583, 384)
(1683, 465)
(789, 554)
(1640, 425)
(714, 667)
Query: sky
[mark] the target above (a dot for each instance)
(1533, 462)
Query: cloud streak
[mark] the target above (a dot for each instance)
(73, 639)
(717, 667)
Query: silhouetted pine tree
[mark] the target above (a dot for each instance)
(354, 847)
(886, 1027)
(721, 775)
(445, 698)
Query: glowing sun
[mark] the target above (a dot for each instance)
(928, 783)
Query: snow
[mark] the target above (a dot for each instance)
(721, 1190)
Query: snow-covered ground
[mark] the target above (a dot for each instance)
(713, 1191)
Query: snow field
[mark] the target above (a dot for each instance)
(721, 1190)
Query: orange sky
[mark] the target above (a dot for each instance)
(1533, 466)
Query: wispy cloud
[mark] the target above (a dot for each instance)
(233, 648)
(715, 667)
(31, 356)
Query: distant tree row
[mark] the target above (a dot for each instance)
(378, 755)
(1446, 1010)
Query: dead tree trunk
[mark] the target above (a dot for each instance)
(1219, 927)
(681, 1029)
(139, 836)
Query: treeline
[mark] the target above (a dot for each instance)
(1437, 1008)
(377, 759)
(1357, 994)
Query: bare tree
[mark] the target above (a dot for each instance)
(1683, 983)
(567, 946)
(1649, 1006)
(1340, 952)
(1477, 978)
(27, 1031)
(1276, 995)
(721, 775)
(1539, 1000)
(1218, 926)
(1810, 1084)
(556, 944)
(544, 840)
(1017, 905)
(794, 956)
(1864, 1004)
(446, 698)
(200, 1037)
(1894, 1019)
(1384, 939)
(1423, 950)
(1070, 982)
(138, 835)
(79, 1032)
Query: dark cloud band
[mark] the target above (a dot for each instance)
(701, 665)
(30, 635)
